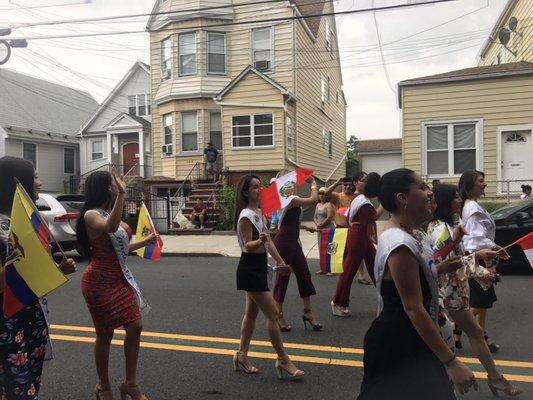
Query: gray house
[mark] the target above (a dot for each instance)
(119, 131)
(39, 121)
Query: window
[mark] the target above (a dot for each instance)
(328, 36)
(139, 105)
(68, 161)
(189, 131)
(97, 150)
(324, 90)
(262, 57)
(451, 148)
(330, 143)
(168, 129)
(166, 58)
(187, 53)
(253, 130)
(289, 132)
(215, 130)
(216, 53)
(29, 152)
(325, 139)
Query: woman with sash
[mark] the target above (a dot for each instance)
(111, 293)
(24, 337)
(361, 217)
(405, 356)
(253, 277)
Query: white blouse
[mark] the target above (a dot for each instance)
(479, 226)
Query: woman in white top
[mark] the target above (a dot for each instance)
(526, 192)
(480, 232)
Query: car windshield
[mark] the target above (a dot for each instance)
(506, 211)
(72, 206)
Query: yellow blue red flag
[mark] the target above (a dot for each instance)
(443, 245)
(30, 271)
(332, 245)
(145, 227)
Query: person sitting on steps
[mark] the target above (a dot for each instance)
(199, 212)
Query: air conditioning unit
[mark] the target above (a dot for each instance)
(165, 74)
(263, 65)
(166, 149)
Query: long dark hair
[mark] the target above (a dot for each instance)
(241, 197)
(372, 185)
(391, 184)
(467, 181)
(444, 195)
(97, 194)
(11, 168)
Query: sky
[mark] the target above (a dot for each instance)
(416, 41)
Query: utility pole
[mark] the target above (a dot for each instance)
(7, 45)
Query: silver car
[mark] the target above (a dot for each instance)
(61, 213)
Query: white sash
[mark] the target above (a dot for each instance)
(254, 218)
(121, 242)
(355, 205)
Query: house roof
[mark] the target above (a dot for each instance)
(129, 119)
(27, 102)
(246, 71)
(507, 10)
(378, 145)
(311, 7)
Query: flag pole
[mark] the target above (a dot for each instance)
(43, 222)
(509, 245)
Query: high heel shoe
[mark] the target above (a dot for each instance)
(133, 391)
(503, 385)
(238, 364)
(316, 327)
(493, 347)
(99, 393)
(280, 369)
(339, 311)
(283, 328)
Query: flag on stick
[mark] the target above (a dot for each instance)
(443, 245)
(145, 227)
(332, 245)
(30, 271)
(526, 243)
(280, 193)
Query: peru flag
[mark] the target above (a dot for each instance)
(526, 243)
(280, 193)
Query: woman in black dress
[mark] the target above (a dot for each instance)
(252, 277)
(405, 355)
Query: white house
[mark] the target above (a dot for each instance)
(119, 131)
(379, 155)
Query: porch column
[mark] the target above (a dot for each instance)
(141, 152)
(109, 149)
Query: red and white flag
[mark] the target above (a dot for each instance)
(280, 193)
(526, 243)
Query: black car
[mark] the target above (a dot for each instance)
(513, 222)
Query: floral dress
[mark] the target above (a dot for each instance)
(23, 339)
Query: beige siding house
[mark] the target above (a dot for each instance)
(267, 94)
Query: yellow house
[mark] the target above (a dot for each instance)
(258, 81)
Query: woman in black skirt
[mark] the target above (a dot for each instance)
(252, 277)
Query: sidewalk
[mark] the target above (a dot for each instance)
(226, 245)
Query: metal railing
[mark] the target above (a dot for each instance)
(190, 175)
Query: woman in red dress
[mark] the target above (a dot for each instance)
(112, 296)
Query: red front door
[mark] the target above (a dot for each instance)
(130, 156)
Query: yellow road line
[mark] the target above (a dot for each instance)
(254, 354)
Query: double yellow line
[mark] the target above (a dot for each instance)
(308, 353)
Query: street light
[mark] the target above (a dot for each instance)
(6, 46)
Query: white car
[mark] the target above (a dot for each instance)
(61, 213)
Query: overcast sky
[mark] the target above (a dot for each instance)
(97, 64)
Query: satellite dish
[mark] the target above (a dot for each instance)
(504, 36)
(513, 24)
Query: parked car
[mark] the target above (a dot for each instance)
(61, 213)
(513, 222)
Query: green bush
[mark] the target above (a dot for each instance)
(225, 207)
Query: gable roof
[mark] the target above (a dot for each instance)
(114, 92)
(28, 102)
(131, 120)
(246, 71)
(507, 10)
(379, 145)
(311, 7)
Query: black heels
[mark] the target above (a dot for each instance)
(493, 347)
(316, 327)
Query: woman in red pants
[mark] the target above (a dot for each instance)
(289, 248)
(360, 243)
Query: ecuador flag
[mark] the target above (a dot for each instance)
(332, 244)
(145, 226)
(443, 245)
(30, 271)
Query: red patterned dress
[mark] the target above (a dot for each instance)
(110, 298)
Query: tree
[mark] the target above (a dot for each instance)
(351, 147)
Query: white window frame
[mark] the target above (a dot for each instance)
(225, 53)
(162, 60)
(92, 150)
(36, 152)
(197, 113)
(329, 35)
(146, 104)
(478, 122)
(324, 90)
(73, 159)
(252, 48)
(180, 73)
(252, 132)
(171, 114)
(221, 130)
(289, 133)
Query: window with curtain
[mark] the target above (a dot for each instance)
(97, 150)
(253, 130)
(68, 161)
(168, 129)
(215, 130)
(450, 148)
(216, 53)
(187, 53)
(139, 105)
(262, 48)
(29, 152)
(189, 131)
(166, 58)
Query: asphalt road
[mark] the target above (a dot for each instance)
(193, 328)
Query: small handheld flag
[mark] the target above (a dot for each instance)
(526, 243)
(145, 227)
(280, 193)
(332, 245)
(443, 245)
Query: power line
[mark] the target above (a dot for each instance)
(382, 56)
